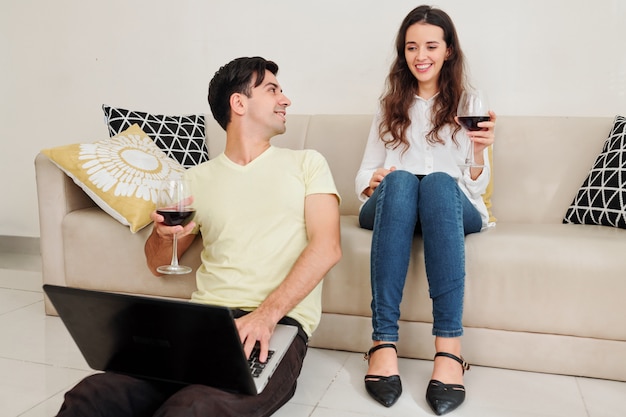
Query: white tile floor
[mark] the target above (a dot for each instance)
(39, 362)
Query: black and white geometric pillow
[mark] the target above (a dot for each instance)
(182, 138)
(602, 197)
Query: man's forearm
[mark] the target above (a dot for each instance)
(308, 271)
(156, 250)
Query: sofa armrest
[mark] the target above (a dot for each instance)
(57, 195)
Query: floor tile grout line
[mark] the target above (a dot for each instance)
(50, 397)
(49, 365)
(582, 396)
(15, 268)
(331, 382)
(22, 307)
(327, 388)
(21, 289)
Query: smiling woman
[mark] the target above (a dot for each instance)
(411, 182)
(425, 52)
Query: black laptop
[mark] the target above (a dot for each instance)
(164, 339)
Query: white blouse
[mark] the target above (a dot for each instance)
(423, 158)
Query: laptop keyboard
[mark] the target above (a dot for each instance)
(256, 366)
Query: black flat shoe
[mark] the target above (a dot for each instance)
(384, 389)
(443, 398)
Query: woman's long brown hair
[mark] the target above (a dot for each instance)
(402, 85)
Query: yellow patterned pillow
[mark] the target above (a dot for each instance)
(121, 174)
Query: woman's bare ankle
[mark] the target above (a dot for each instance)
(445, 369)
(384, 361)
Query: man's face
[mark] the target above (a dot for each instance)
(267, 105)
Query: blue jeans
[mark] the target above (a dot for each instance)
(401, 206)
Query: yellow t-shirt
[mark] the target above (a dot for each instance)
(252, 223)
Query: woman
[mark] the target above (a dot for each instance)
(412, 181)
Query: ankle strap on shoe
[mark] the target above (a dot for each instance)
(465, 365)
(368, 354)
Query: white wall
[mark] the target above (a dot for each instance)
(61, 60)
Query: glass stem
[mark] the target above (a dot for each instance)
(174, 251)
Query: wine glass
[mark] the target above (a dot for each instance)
(472, 109)
(173, 204)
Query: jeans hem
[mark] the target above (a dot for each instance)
(447, 333)
(384, 338)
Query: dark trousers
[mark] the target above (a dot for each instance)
(114, 395)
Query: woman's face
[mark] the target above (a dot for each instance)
(425, 52)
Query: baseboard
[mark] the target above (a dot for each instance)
(19, 244)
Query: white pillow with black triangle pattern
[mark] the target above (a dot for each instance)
(181, 137)
(601, 199)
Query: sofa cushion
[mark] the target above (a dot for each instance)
(515, 274)
(126, 269)
(546, 278)
(601, 199)
(120, 174)
(181, 137)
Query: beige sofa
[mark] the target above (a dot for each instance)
(540, 295)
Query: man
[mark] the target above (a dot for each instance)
(269, 220)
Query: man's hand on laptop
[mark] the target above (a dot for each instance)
(255, 327)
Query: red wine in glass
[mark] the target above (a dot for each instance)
(471, 122)
(472, 109)
(173, 217)
(173, 204)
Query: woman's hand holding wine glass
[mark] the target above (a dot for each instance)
(474, 116)
(174, 208)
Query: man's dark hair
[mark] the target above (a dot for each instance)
(236, 77)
